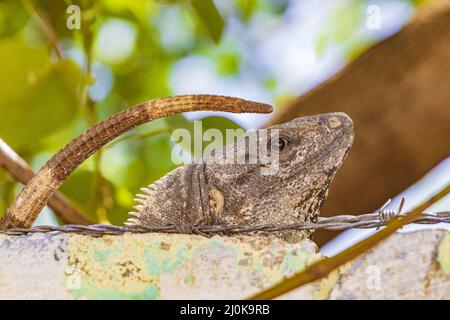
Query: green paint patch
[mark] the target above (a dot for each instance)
(152, 263)
(157, 263)
(294, 261)
(101, 257)
(169, 264)
(148, 293)
(111, 268)
(138, 266)
(216, 244)
(444, 254)
(189, 280)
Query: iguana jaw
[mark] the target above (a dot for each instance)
(329, 156)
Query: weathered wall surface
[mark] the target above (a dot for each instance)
(163, 266)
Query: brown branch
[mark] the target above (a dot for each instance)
(35, 195)
(19, 169)
(324, 267)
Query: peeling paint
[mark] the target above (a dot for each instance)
(114, 267)
(111, 268)
(174, 266)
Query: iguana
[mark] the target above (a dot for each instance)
(310, 150)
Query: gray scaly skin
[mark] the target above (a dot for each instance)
(311, 150)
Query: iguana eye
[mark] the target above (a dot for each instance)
(279, 144)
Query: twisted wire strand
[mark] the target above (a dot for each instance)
(341, 222)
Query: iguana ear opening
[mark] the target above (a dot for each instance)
(217, 202)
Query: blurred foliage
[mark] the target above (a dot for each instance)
(343, 28)
(423, 2)
(55, 81)
(210, 17)
(34, 90)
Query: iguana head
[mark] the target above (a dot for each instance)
(310, 151)
(290, 188)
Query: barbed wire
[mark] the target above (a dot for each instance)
(340, 222)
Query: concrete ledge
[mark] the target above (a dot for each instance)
(172, 266)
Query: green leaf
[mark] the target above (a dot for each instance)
(220, 123)
(419, 3)
(228, 63)
(180, 122)
(246, 8)
(158, 151)
(12, 17)
(37, 97)
(346, 20)
(214, 122)
(79, 188)
(356, 47)
(322, 44)
(210, 17)
(139, 10)
(7, 191)
(270, 84)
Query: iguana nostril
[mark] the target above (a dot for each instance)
(334, 122)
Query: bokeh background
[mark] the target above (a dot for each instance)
(56, 81)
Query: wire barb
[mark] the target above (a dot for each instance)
(341, 222)
(387, 215)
